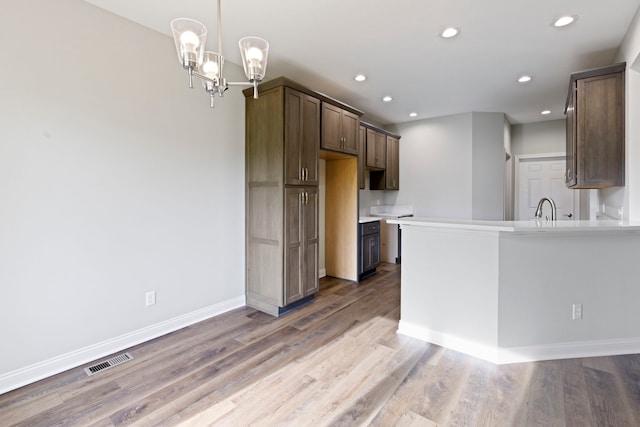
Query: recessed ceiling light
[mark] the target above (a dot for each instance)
(450, 32)
(524, 79)
(565, 20)
(545, 112)
(413, 114)
(387, 99)
(360, 78)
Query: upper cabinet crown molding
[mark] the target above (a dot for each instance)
(283, 81)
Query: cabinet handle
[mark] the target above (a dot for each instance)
(306, 198)
(306, 174)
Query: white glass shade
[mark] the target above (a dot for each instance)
(254, 51)
(189, 36)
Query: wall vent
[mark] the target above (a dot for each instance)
(109, 363)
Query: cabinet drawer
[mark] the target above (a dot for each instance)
(370, 228)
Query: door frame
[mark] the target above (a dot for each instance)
(516, 180)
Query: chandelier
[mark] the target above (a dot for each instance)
(190, 35)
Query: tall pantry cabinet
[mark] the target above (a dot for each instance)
(282, 145)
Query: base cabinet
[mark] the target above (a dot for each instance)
(369, 248)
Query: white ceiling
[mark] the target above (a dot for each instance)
(323, 44)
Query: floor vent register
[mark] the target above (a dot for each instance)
(109, 363)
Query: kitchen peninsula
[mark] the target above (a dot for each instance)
(512, 291)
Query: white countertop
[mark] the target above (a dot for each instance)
(531, 226)
(364, 219)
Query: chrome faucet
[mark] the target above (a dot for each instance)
(538, 213)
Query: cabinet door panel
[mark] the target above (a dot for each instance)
(293, 136)
(570, 178)
(310, 283)
(600, 132)
(331, 135)
(293, 245)
(376, 149)
(375, 250)
(310, 139)
(350, 124)
(362, 148)
(392, 172)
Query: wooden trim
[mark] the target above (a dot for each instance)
(284, 81)
(386, 132)
(592, 72)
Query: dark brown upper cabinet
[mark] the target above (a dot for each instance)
(376, 149)
(596, 128)
(339, 129)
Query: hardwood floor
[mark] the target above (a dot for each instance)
(335, 362)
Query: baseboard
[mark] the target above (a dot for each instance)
(472, 348)
(505, 355)
(569, 350)
(30, 374)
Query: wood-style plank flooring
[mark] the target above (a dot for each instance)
(338, 362)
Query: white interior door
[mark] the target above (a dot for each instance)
(540, 178)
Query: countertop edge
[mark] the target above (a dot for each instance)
(520, 227)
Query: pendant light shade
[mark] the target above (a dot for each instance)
(254, 51)
(190, 36)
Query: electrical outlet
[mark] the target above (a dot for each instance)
(150, 298)
(577, 311)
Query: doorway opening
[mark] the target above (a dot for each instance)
(543, 175)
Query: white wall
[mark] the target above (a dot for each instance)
(115, 179)
(629, 196)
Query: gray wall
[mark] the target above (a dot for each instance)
(115, 179)
(452, 166)
(538, 138)
(488, 160)
(435, 167)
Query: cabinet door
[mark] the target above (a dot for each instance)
(570, 177)
(362, 145)
(339, 129)
(350, 123)
(370, 252)
(365, 254)
(374, 242)
(293, 259)
(331, 133)
(600, 131)
(302, 138)
(392, 172)
(376, 149)
(301, 243)
(310, 139)
(310, 283)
